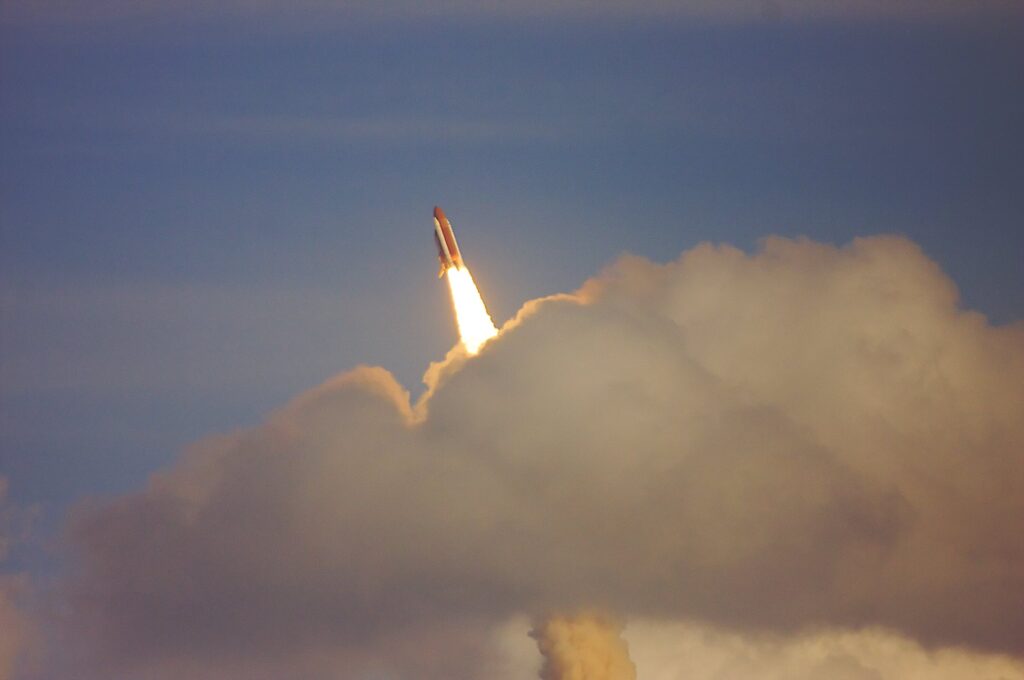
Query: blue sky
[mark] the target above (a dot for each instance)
(204, 213)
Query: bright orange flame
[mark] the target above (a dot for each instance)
(475, 325)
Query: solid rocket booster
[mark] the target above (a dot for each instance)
(447, 248)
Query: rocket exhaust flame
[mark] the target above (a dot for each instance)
(475, 325)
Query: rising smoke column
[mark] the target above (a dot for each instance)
(587, 646)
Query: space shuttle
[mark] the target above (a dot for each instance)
(447, 248)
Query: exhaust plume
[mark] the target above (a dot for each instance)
(587, 646)
(799, 439)
(475, 325)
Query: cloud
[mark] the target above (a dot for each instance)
(583, 647)
(668, 651)
(671, 650)
(801, 439)
(690, 650)
(377, 130)
(326, 13)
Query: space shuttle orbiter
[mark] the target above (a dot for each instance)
(447, 248)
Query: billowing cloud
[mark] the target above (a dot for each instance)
(586, 646)
(688, 650)
(670, 651)
(802, 439)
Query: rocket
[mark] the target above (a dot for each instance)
(447, 249)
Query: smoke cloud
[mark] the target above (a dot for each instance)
(692, 651)
(806, 438)
(583, 647)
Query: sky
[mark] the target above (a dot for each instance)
(207, 210)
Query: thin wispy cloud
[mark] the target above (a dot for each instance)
(354, 130)
(318, 11)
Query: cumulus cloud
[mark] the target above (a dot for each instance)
(801, 439)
